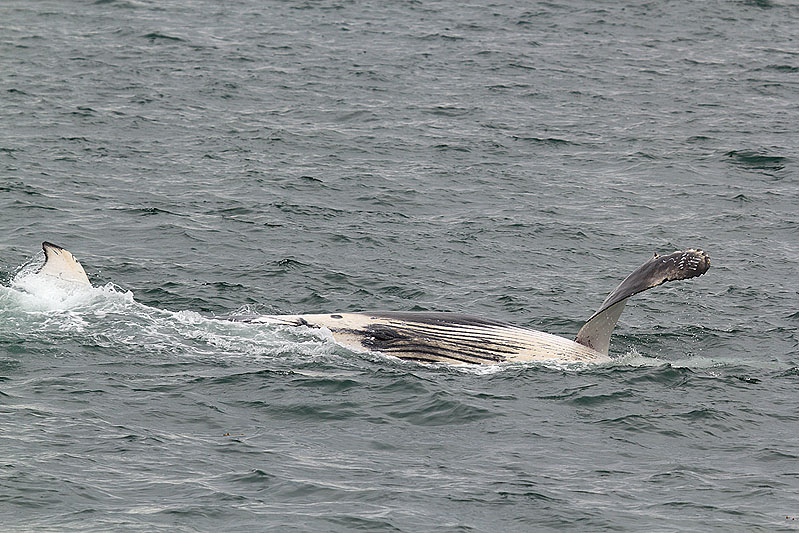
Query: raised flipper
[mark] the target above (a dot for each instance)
(59, 263)
(596, 332)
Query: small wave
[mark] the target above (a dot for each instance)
(757, 159)
(153, 36)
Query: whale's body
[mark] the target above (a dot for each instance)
(456, 338)
(440, 337)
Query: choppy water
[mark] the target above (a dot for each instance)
(509, 160)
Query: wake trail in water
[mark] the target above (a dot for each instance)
(34, 306)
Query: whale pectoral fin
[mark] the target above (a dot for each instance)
(687, 264)
(59, 263)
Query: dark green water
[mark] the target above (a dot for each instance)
(512, 161)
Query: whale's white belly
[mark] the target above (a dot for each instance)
(441, 337)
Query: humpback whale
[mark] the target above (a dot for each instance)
(456, 338)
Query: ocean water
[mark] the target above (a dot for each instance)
(510, 160)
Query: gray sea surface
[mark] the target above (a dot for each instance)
(509, 160)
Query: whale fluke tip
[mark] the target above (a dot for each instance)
(686, 264)
(59, 263)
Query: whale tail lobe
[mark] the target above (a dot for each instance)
(687, 264)
(60, 263)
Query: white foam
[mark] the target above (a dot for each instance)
(32, 292)
(634, 358)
